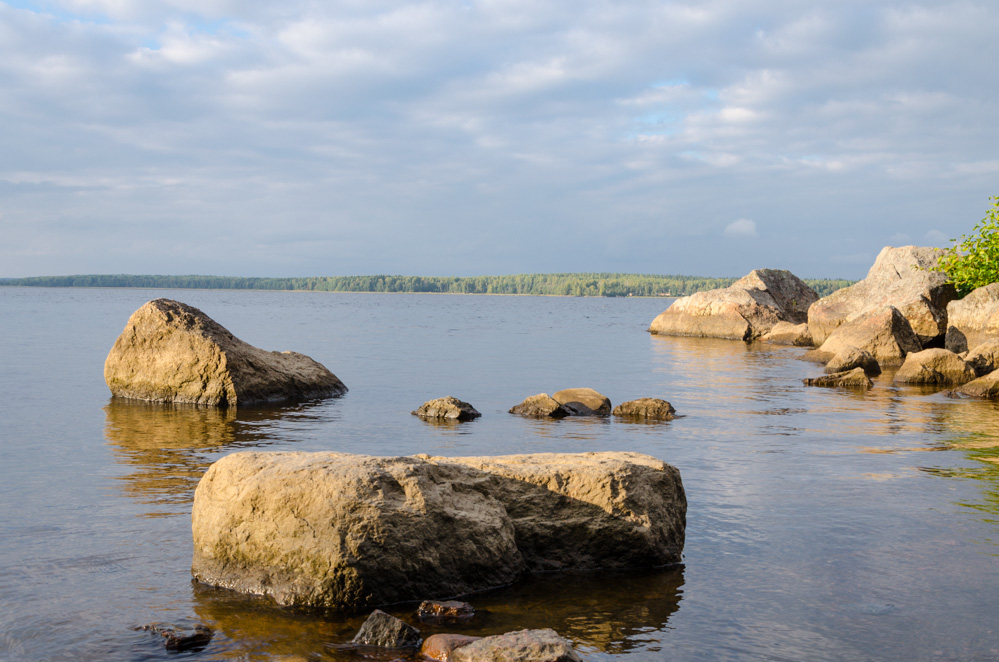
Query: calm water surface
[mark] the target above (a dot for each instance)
(822, 524)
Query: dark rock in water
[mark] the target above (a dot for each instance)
(522, 646)
(540, 406)
(444, 611)
(440, 646)
(855, 378)
(650, 409)
(583, 402)
(448, 408)
(180, 639)
(385, 630)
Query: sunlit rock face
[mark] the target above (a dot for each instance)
(934, 366)
(902, 277)
(352, 531)
(172, 352)
(749, 308)
(973, 320)
(884, 334)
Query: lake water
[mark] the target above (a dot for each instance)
(822, 524)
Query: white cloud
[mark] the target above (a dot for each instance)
(742, 227)
(937, 238)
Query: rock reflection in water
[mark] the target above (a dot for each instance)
(170, 446)
(607, 612)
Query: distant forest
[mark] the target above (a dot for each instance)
(587, 285)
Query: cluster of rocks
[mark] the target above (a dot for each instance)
(382, 630)
(561, 404)
(903, 315)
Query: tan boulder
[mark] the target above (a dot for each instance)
(786, 333)
(541, 405)
(851, 357)
(902, 277)
(746, 310)
(974, 319)
(984, 358)
(884, 334)
(651, 409)
(172, 352)
(934, 366)
(447, 408)
(440, 646)
(855, 378)
(351, 531)
(583, 402)
(522, 646)
(986, 387)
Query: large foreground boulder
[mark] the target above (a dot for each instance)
(172, 352)
(902, 277)
(884, 334)
(351, 531)
(974, 319)
(746, 310)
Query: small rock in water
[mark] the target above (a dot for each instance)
(447, 408)
(180, 639)
(524, 646)
(649, 409)
(385, 630)
(446, 611)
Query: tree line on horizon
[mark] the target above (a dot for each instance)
(562, 284)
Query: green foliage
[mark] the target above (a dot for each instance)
(584, 284)
(975, 261)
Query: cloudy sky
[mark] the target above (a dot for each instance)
(474, 137)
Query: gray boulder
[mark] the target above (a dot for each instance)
(350, 531)
(447, 408)
(541, 405)
(523, 646)
(885, 334)
(172, 352)
(935, 366)
(855, 378)
(381, 629)
(746, 310)
(651, 409)
(974, 319)
(583, 402)
(901, 277)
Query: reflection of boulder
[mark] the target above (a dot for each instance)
(351, 531)
(172, 352)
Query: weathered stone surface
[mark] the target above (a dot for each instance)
(522, 646)
(381, 629)
(172, 352)
(440, 646)
(444, 611)
(901, 277)
(351, 531)
(974, 319)
(855, 378)
(986, 386)
(652, 409)
(786, 333)
(984, 358)
(851, 357)
(541, 405)
(884, 334)
(583, 402)
(934, 366)
(448, 408)
(746, 310)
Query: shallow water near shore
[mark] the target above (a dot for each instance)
(822, 524)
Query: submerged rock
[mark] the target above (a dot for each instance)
(522, 646)
(749, 308)
(352, 531)
(441, 646)
(583, 402)
(172, 352)
(901, 277)
(541, 405)
(444, 611)
(651, 409)
(381, 629)
(934, 366)
(855, 378)
(973, 320)
(448, 408)
(181, 639)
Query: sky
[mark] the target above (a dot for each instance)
(489, 137)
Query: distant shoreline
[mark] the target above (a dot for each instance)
(558, 284)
